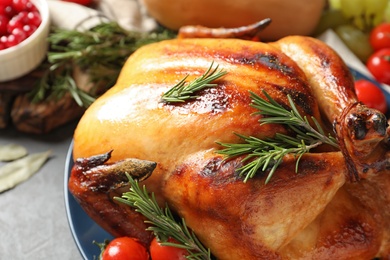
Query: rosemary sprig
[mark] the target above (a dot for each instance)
(183, 90)
(61, 84)
(163, 223)
(264, 154)
(275, 113)
(100, 52)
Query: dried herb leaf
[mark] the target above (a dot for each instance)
(10, 152)
(15, 172)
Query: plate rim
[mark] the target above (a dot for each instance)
(84, 249)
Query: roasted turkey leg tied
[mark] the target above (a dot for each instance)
(363, 133)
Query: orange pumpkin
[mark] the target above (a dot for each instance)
(298, 17)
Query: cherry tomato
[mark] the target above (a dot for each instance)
(160, 252)
(125, 248)
(380, 37)
(371, 95)
(80, 2)
(379, 65)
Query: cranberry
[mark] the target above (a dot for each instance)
(7, 10)
(12, 40)
(18, 20)
(19, 34)
(34, 18)
(3, 24)
(2, 9)
(3, 41)
(21, 5)
(6, 6)
(29, 29)
(6, 2)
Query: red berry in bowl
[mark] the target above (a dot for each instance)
(3, 24)
(21, 5)
(3, 39)
(18, 20)
(29, 29)
(6, 2)
(11, 41)
(19, 34)
(33, 18)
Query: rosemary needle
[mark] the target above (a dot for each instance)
(99, 52)
(183, 91)
(261, 155)
(277, 114)
(163, 223)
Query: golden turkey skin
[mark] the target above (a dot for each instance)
(336, 207)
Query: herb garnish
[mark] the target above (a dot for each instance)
(163, 223)
(183, 91)
(262, 154)
(100, 52)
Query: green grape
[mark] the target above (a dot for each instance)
(356, 40)
(373, 12)
(334, 4)
(354, 11)
(330, 19)
(386, 13)
(352, 8)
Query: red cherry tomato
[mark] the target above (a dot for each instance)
(379, 65)
(371, 95)
(160, 252)
(380, 37)
(125, 248)
(80, 2)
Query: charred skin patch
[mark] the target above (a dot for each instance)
(265, 61)
(353, 232)
(301, 99)
(215, 172)
(298, 89)
(363, 122)
(222, 171)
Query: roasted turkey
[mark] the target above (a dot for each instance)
(337, 206)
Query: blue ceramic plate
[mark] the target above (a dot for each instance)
(85, 230)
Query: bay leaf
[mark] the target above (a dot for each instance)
(17, 171)
(10, 152)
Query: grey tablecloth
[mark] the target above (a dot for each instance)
(33, 222)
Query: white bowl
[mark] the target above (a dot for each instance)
(23, 58)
